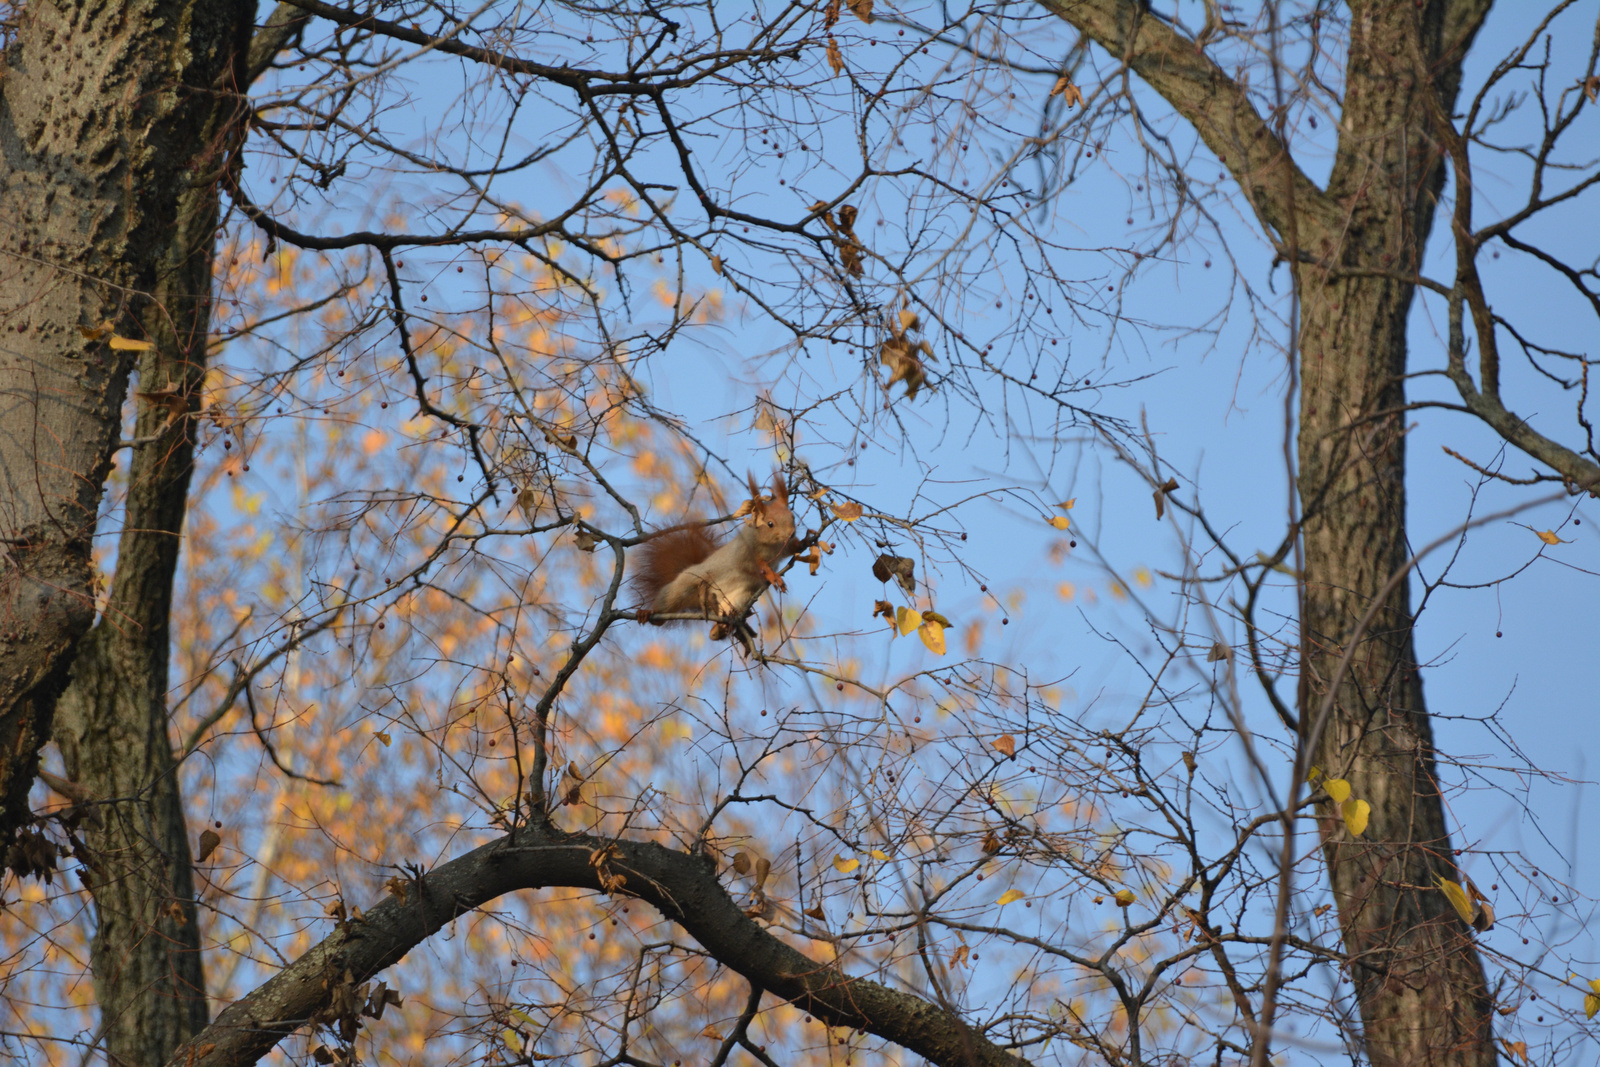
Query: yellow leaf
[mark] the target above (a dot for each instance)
(1338, 789)
(1547, 536)
(1591, 1004)
(512, 1039)
(385, 738)
(932, 635)
(959, 956)
(849, 511)
(878, 854)
(1066, 505)
(1125, 898)
(906, 620)
(908, 320)
(1457, 898)
(128, 344)
(1142, 578)
(1010, 895)
(712, 1032)
(1060, 522)
(1066, 590)
(1313, 772)
(94, 333)
(1006, 744)
(845, 866)
(1355, 814)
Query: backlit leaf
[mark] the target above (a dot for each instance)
(845, 866)
(1010, 896)
(1355, 814)
(1338, 789)
(932, 635)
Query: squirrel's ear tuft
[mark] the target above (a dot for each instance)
(780, 488)
(755, 490)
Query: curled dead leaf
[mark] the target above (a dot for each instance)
(208, 844)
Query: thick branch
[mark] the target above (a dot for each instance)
(1217, 106)
(681, 885)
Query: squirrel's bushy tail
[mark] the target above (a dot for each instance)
(662, 558)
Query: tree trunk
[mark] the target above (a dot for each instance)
(107, 113)
(114, 123)
(1419, 982)
(1421, 987)
(112, 720)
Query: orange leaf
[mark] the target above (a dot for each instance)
(1006, 744)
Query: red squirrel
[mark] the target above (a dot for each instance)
(688, 570)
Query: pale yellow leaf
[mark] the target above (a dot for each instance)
(849, 511)
(128, 344)
(1060, 522)
(1338, 789)
(1010, 896)
(932, 634)
(1591, 1004)
(845, 866)
(878, 854)
(906, 620)
(1457, 897)
(512, 1039)
(1355, 814)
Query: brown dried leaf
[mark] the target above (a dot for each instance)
(849, 511)
(861, 9)
(1168, 486)
(1006, 744)
(208, 844)
(900, 568)
(835, 57)
(1069, 93)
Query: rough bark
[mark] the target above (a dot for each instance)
(107, 112)
(114, 122)
(1421, 986)
(682, 886)
(112, 721)
(1418, 978)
